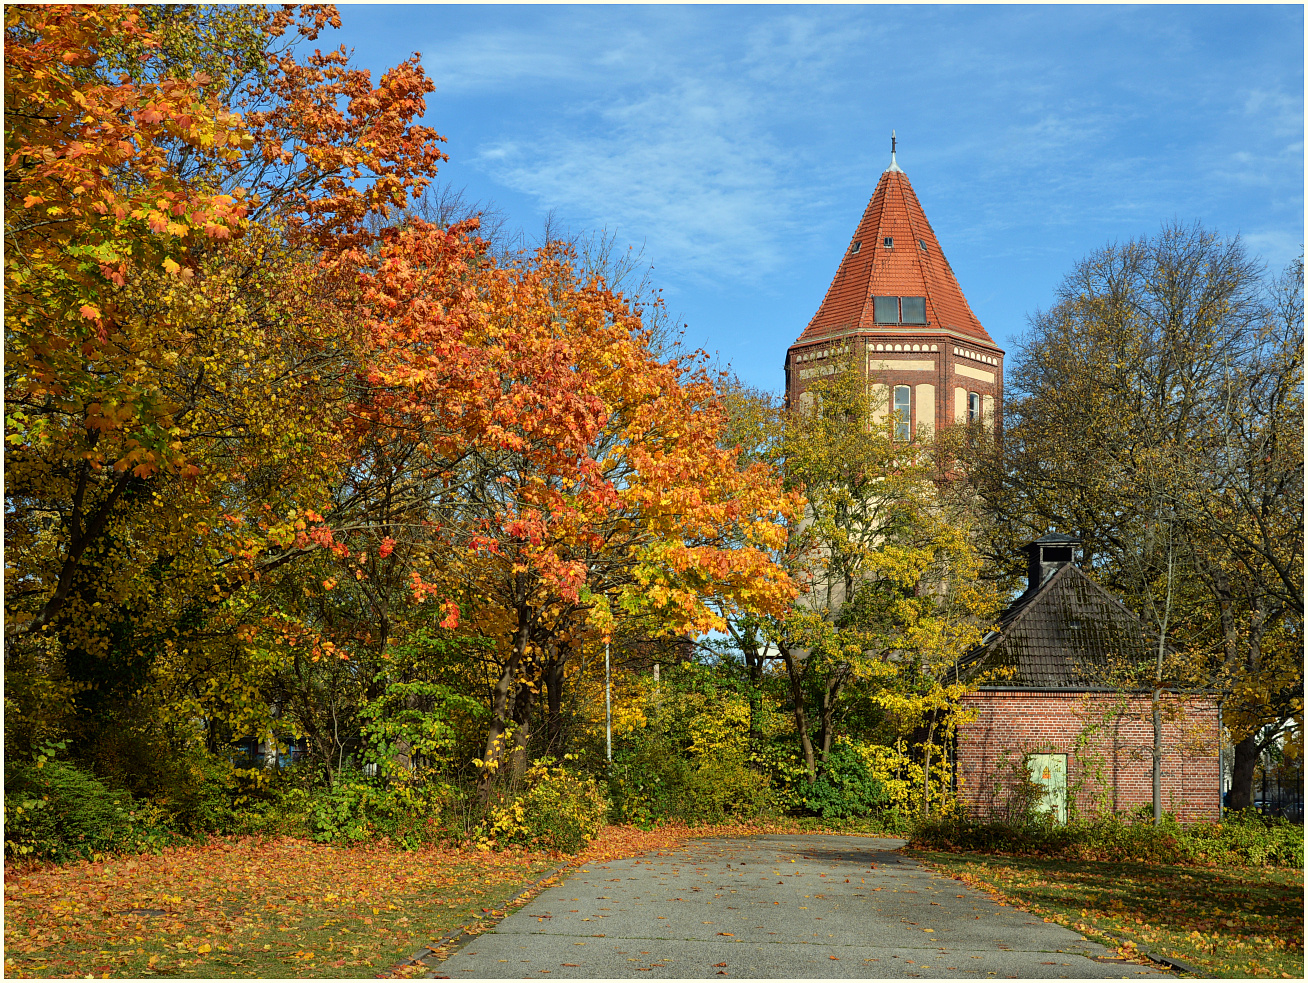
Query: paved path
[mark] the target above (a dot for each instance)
(776, 907)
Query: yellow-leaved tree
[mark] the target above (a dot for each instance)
(886, 559)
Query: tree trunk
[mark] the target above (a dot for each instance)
(269, 750)
(1156, 707)
(926, 767)
(1248, 751)
(522, 707)
(553, 676)
(754, 670)
(1243, 764)
(500, 714)
(835, 685)
(1230, 635)
(793, 670)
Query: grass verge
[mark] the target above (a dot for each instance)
(1226, 922)
(250, 908)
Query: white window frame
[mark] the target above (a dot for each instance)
(903, 412)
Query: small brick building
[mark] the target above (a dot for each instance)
(1060, 702)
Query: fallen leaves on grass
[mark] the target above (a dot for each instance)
(1230, 922)
(617, 842)
(249, 908)
(244, 907)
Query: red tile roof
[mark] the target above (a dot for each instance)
(904, 270)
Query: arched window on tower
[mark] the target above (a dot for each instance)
(973, 407)
(901, 412)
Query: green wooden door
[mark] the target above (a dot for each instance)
(1050, 772)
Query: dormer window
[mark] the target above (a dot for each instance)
(914, 310)
(889, 242)
(858, 244)
(899, 310)
(922, 243)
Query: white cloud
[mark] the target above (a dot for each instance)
(722, 139)
(658, 135)
(689, 167)
(1276, 247)
(1280, 112)
(501, 61)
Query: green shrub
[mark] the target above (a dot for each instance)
(413, 719)
(1239, 840)
(1257, 841)
(281, 810)
(344, 811)
(845, 789)
(655, 783)
(558, 811)
(55, 811)
(216, 797)
(693, 761)
(727, 788)
(356, 808)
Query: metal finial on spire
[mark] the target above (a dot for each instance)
(894, 166)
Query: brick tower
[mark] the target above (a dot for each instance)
(895, 311)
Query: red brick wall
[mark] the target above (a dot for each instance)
(945, 378)
(1108, 740)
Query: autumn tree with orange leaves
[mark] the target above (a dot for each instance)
(171, 384)
(526, 460)
(260, 437)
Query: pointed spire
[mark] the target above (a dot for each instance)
(893, 165)
(894, 253)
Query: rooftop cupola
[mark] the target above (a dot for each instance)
(1046, 555)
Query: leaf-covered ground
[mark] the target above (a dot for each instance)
(1229, 922)
(277, 908)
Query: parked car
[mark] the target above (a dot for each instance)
(1292, 811)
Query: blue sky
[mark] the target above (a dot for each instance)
(739, 145)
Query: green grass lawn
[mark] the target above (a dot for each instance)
(1226, 922)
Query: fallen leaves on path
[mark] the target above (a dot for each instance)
(617, 842)
(248, 907)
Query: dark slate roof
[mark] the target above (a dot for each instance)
(1057, 539)
(1068, 633)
